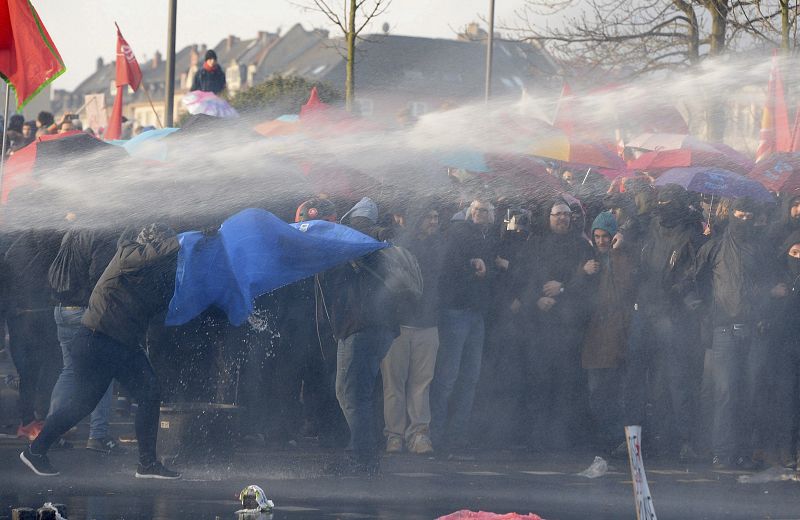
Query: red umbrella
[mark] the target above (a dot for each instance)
(778, 172)
(50, 151)
(683, 158)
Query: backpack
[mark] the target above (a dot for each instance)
(397, 268)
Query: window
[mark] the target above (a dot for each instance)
(233, 77)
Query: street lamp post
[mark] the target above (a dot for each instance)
(489, 49)
(169, 107)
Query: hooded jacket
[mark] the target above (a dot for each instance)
(137, 285)
(736, 275)
(356, 299)
(667, 262)
(783, 312)
(784, 225)
(81, 259)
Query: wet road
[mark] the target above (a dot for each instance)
(96, 486)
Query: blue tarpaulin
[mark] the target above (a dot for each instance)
(253, 253)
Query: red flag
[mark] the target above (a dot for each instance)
(128, 71)
(114, 130)
(29, 59)
(564, 119)
(796, 131)
(775, 135)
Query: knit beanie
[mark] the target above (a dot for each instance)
(606, 222)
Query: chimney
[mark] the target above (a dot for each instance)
(156, 61)
(229, 42)
(100, 63)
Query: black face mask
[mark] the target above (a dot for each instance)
(671, 213)
(741, 228)
(793, 264)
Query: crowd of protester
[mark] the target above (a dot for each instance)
(546, 325)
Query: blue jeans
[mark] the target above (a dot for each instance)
(68, 323)
(733, 372)
(458, 367)
(97, 359)
(358, 361)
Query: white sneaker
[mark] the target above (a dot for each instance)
(420, 444)
(394, 445)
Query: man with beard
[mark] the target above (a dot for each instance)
(735, 270)
(661, 339)
(555, 282)
(604, 346)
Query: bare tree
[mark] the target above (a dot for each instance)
(351, 17)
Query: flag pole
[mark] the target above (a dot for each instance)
(5, 139)
(146, 93)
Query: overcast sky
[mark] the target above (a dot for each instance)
(84, 29)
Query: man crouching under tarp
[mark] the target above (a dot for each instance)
(137, 284)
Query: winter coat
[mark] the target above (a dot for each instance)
(613, 295)
(667, 266)
(735, 274)
(783, 313)
(137, 284)
(459, 287)
(81, 259)
(429, 253)
(557, 258)
(356, 300)
(209, 81)
(28, 260)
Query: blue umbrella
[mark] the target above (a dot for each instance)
(715, 181)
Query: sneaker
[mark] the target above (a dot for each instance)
(108, 445)
(394, 445)
(39, 464)
(420, 444)
(156, 470)
(30, 431)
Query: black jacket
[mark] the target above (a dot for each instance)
(137, 284)
(81, 259)
(667, 265)
(206, 81)
(459, 287)
(429, 253)
(28, 260)
(557, 258)
(736, 275)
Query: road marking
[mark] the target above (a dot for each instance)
(417, 475)
(543, 473)
(482, 473)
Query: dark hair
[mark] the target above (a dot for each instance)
(15, 122)
(210, 55)
(45, 118)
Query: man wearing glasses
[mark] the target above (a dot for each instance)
(464, 285)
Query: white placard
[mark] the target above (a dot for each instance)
(641, 491)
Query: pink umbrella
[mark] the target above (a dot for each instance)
(200, 102)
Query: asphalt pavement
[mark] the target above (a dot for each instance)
(97, 486)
